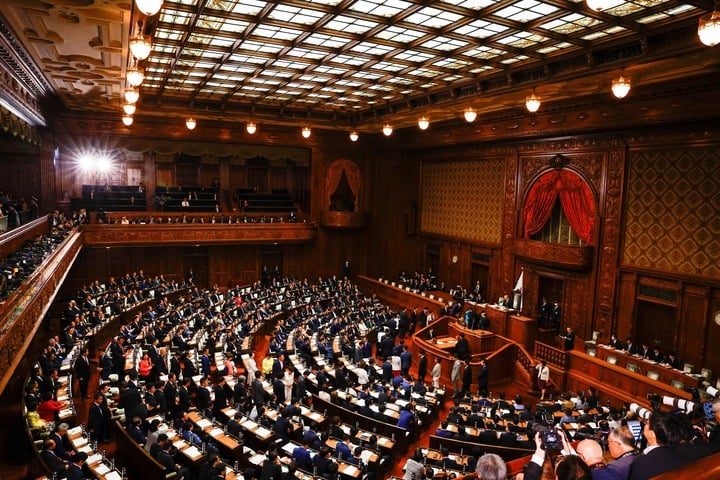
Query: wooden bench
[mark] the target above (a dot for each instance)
(137, 462)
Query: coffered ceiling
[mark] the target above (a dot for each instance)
(350, 63)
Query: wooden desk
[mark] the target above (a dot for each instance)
(398, 297)
(615, 382)
(665, 374)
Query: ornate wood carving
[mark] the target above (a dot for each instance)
(563, 256)
(23, 312)
(608, 251)
(344, 219)
(186, 234)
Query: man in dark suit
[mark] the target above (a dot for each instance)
(483, 378)
(466, 377)
(97, 423)
(75, 470)
(82, 372)
(446, 462)
(105, 365)
(568, 339)
(422, 367)
(63, 448)
(258, 392)
(233, 425)
(54, 463)
(662, 433)
(165, 458)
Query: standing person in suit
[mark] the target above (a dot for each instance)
(82, 372)
(97, 423)
(556, 316)
(105, 365)
(663, 432)
(466, 377)
(455, 376)
(483, 378)
(568, 339)
(422, 367)
(258, 391)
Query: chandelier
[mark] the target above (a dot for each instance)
(140, 44)
(251, 128)
(387, 130)
(134, 76)
(470, 114)
(354, 136)
(306, 132)
(709, 28)
(131, 95)
(190, 123)
(621, 86)
(423, 123)
(532, 103)
(149, 7)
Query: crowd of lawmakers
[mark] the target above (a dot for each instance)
(184, 356)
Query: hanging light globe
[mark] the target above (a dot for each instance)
(149, 7)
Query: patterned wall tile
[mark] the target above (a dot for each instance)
(673, 211)
(463, 199)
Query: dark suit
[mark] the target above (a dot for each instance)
(657, 461)
(466, 378)
(82, 372)
(97, 423)
(54, 463)
(75, 473)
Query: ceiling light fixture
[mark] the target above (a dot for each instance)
(129, 108)
(251, 128)
(387, 129)
(470, 114)
(423, 123)
(532, 103)
(599, 5)
(306, 132)
(140, 44)
(134, 76)
(131, 95)
(354, 136)
(149, 7)
(127, 120)
(709, 28)
(191, 123)
(621, 86)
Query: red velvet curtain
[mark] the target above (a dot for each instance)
(576, 200)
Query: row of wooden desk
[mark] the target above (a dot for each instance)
(662, 373)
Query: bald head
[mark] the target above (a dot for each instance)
(590, 451)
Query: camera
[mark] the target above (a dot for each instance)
(551, 440)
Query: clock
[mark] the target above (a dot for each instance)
(717, 318)
(455, 259)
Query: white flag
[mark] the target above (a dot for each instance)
(519, 292)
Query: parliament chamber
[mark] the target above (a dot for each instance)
(595, 217)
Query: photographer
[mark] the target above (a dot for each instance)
(569, 466)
